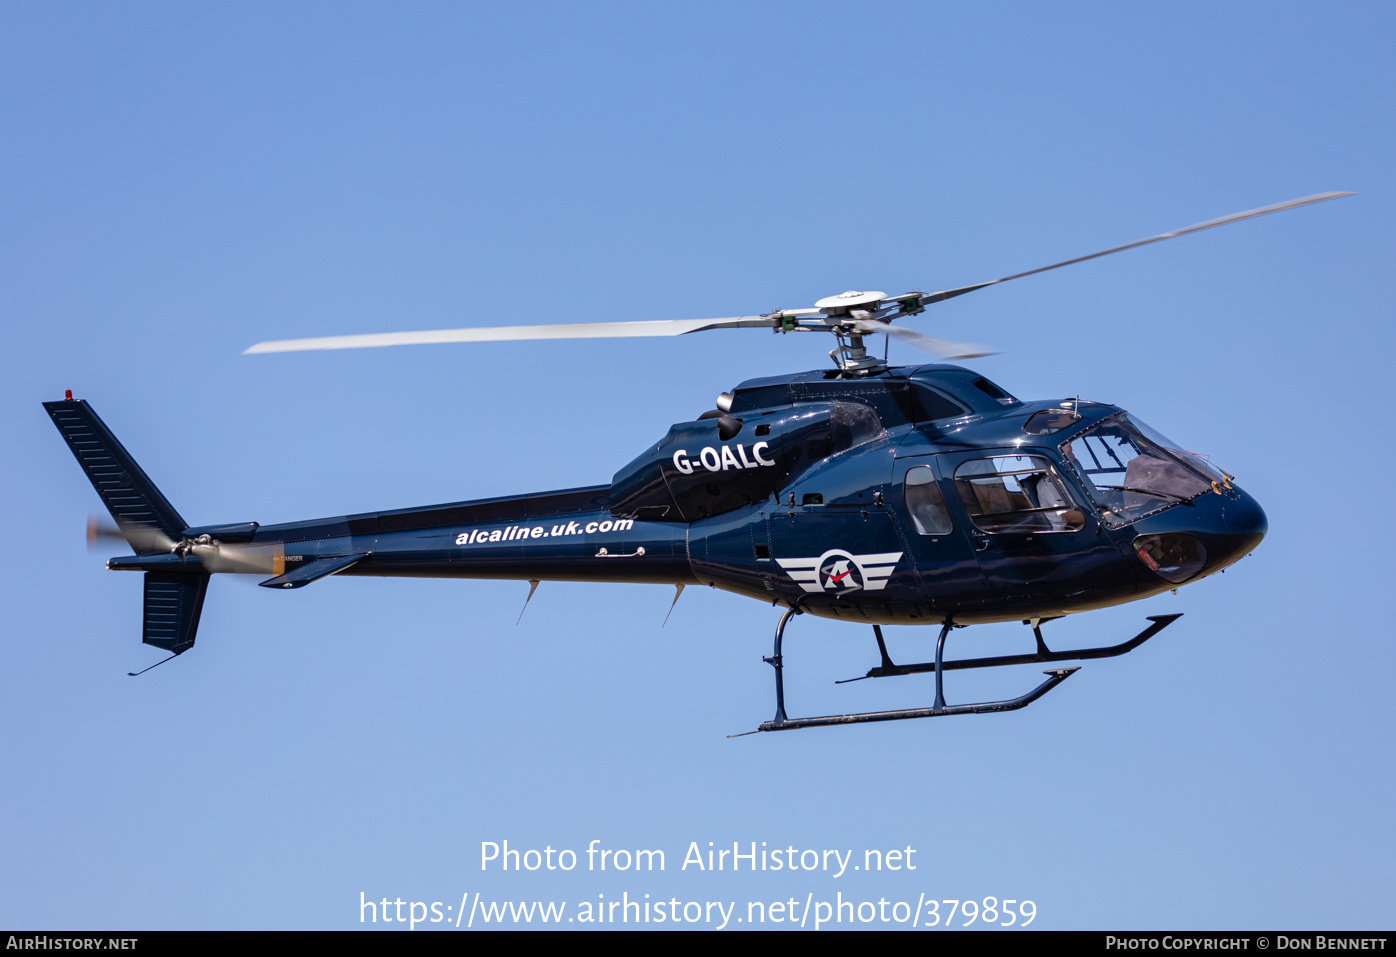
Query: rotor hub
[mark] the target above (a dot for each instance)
(841, 304)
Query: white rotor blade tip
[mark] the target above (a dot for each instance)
(574, 330)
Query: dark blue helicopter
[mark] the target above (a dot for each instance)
(874, 494)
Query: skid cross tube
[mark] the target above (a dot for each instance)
(1043, 654)
(781, 722)
(775, 662)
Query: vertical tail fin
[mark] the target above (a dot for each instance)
(123, 486)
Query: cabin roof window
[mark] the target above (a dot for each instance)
(1049, 421)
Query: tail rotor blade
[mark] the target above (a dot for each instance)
(97, 530)
(237, 559)
(234, 559)
(137, 536)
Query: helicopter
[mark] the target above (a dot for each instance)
(868, 493)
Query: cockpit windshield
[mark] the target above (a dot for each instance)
(1132, 471)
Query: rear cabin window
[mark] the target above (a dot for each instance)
(924, 502)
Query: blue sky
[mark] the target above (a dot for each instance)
(179, 182)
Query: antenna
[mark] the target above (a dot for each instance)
(532, 587)
(132, 674)
(678, 590)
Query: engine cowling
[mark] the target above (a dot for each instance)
(694, 473)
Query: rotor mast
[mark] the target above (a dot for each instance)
(850, 355)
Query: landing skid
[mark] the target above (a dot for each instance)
(1043, 654)
(888, 669)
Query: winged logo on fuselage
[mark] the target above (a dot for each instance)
(841, 572)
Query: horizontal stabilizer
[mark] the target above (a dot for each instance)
(125, 490)
(172, 605)
(313, 571)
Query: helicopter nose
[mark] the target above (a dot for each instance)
(1244, 525)
(1245, 517)
(1185, 544)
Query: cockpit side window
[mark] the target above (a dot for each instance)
(924, 502)
(1016, 493)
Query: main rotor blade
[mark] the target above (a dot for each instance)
(931, 345)
(578, 330)
(1233, 218)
